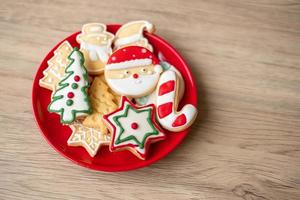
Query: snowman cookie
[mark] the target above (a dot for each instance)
(95, 44)
(132, 71)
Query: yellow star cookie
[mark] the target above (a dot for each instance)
(89, 138)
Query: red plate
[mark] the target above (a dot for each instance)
(57, 134)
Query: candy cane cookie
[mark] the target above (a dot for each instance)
(167, 100)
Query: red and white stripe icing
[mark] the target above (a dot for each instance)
(167, 113)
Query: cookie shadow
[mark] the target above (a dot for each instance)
(195, 135)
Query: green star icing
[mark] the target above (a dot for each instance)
(132, 137)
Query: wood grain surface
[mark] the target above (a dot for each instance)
(245, 143)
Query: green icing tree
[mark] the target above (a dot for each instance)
(70, 100)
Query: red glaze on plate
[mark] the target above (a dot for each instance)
(57, 134)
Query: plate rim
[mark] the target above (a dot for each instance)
(34, 96)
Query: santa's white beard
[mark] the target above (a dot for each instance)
(132, 87)
(96, 52)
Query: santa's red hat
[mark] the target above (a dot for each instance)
(131, 57)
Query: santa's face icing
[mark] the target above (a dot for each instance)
(132, 71)
(135, 82)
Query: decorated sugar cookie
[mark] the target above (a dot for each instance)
(56, 66)
(133, 128)
(95, 44)
(132, 71)
(103, 101)
(167, 103)
(132, 34)
(70, 100)
(151, 98)
(89, 138)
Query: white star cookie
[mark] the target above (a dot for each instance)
(89, 138)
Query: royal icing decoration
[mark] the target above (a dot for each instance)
(167, 102)
(89, 138)
(151, 98)
(95, 43)
(133, 128)
(132, 34)
(56, 66)
(70, 100)
(132, 71)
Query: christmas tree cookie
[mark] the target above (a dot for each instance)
(56, 66)
(133, 128)
(70, 100)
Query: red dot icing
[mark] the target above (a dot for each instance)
(70, 95)
(135, 75)
(76, 78)
(134, 125)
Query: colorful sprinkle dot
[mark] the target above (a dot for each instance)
(144, 50)
(76, 78)
(134, 125)
(74, 85)
(70, 95)
(69, 102)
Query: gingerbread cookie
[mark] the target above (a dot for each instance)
(56, 66)
(103, 101)
(70, 100)
(132, 71)
(95, 44)
(167, 99)
(89, 138)
(131, 34)
(133, 128)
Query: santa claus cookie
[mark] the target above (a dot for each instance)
(132, 71)
(132, 33)
(133, 128)
(70, 100)
(95, 43)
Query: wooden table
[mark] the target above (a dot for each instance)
(245, 143)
